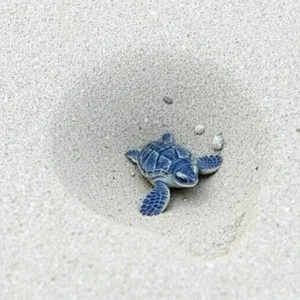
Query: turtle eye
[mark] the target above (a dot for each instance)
(181, 177)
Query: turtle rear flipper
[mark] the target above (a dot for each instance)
(168, 137)
(133, 155)
(156, 201)
(209, 164)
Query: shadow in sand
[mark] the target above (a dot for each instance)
(120, 106)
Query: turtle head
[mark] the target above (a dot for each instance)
(185, 173)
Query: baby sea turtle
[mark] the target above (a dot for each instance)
(168, 165)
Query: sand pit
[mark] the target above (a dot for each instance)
(81, 82)
(122, 106)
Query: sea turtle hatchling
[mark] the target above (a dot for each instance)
(168, 165)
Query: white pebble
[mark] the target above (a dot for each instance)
(218, 141)
(132, 174)
(153, 12)
(199, 129)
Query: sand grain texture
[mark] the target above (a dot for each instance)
(81, 83)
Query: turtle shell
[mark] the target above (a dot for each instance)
(156, 158)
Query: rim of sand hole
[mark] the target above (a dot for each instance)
(120, 105)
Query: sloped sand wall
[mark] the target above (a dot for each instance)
(120, 106)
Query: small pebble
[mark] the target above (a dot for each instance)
(132, 174)
(218, 141)
(167, 100)
(153, 12)
(199, 129)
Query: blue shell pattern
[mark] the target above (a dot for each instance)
(157, 157)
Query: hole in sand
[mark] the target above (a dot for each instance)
(120, 106)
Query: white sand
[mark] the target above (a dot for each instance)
(83, 81)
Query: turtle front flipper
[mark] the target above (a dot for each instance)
(209, 164)
(156, 201)
(133, 155)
